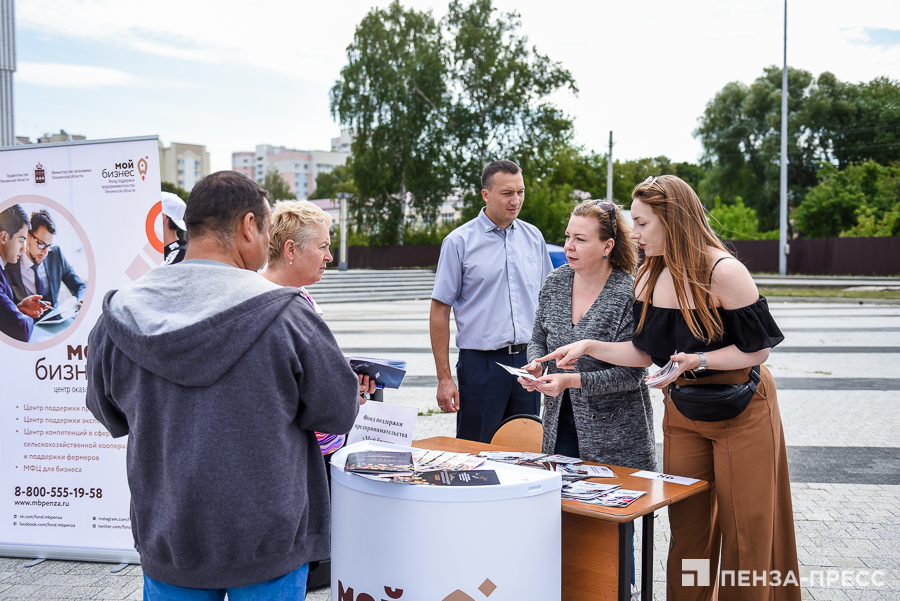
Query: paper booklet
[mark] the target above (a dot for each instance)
(387, 373)
(462, 478)
(517, 371)
(665, 372)
(394, 463)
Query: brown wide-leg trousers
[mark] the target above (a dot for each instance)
(747, 509)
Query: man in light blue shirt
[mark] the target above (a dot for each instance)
(490, 272)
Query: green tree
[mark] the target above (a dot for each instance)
(392, 92)
(176, 190)
(548, 206)
(331, 183)
(278, 188)
(733, 222)
(498, 107)
(861, 200)
(828, 121)
(855, 122)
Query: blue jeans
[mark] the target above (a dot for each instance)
(291, 586)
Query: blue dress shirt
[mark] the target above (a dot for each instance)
(491, 277)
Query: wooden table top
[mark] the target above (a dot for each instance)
(659, 494)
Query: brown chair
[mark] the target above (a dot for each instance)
(521, 432)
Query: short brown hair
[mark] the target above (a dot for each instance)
(220, 200)
(501, 166)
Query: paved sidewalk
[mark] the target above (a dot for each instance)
(840, 400)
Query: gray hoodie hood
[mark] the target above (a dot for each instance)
(169, 332)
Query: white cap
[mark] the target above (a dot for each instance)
(173, 208)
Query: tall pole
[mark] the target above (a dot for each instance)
(609, 171)
(342, 256)
(783, 248)
(7, 68)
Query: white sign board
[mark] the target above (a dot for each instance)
(383, 423)
(65, 494)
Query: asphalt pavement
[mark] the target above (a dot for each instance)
(839, 393)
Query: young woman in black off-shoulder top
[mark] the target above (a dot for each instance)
(699, 307)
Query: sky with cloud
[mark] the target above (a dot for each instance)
(232, 75)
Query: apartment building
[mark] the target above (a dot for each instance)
(183, 164)
(298, 168)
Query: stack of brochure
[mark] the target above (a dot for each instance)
(421, 466)
(432, 461)
(606, 495)
(571, 472)
(663, 374)
(381, 463)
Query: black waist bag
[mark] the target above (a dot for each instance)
(714, 402)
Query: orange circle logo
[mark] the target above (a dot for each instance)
(151, 230)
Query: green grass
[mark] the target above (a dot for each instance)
(822, 292)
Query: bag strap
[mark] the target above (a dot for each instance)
(755, 378)
(714, 268)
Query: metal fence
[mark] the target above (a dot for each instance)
(391, 257)
(823, 256)
(818, 256)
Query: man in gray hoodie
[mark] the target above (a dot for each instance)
(220, 379)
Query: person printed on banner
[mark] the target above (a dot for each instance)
(43, 269)
(221, 379)
(16, 318)
(489, 273)
(700, 316)
(173, 225)
(600, 412)
(298, 256)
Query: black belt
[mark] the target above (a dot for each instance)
(512, 349)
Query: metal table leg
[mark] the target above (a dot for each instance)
(626, 536)
(647, 558)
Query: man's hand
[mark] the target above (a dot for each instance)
(33, 306)
(366, 386)
(447, 395)
(439, 327)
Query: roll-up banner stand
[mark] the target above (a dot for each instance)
(64, 493)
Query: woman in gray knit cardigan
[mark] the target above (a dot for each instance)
(600, 412)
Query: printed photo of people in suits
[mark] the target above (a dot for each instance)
(43, 273)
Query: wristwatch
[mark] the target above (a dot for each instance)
(702, 366)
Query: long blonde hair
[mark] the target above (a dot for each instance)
(688, 236)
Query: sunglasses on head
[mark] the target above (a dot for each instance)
(610, 209)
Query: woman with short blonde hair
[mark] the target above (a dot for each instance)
(298, 255)
(298, 221)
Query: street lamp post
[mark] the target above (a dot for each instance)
(342, 255)
(783, 248)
